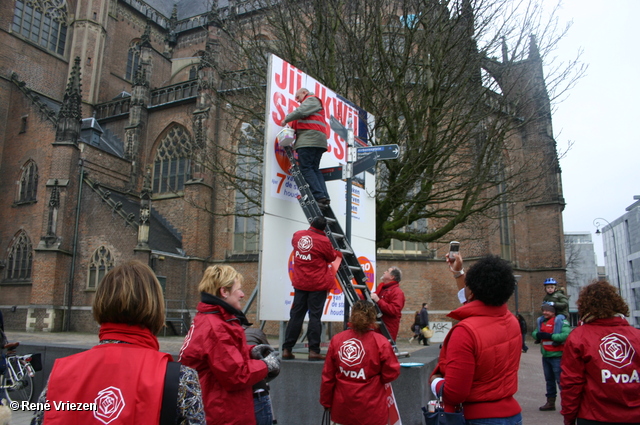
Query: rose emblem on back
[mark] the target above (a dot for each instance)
(305, 243)
(109, 403)
(616, 350)
(351, 352)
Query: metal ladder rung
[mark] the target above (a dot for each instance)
(359, 286)
(346, 251)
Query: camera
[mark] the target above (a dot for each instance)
(454, 248)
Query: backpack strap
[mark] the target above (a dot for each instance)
(169, 409)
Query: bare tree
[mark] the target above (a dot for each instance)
(475, 130)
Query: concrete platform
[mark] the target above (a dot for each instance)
(295, 393)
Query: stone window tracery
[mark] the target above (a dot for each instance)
(133, 60)
(101, 262)
(172, 167)
(28, 183)
(44, 22)
(20, 258)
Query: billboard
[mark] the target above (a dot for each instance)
(282, 213)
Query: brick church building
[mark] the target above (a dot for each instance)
(103, 105)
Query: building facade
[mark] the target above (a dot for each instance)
(107, 105)
(582, 267)
(621, 241)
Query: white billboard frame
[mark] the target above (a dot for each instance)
(282, 214)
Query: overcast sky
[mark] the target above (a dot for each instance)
(600, 173)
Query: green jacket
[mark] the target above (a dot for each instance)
(307, 138)
(560, 302)
(561, 338)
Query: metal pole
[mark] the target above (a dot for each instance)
(349, 180)
(67, 319)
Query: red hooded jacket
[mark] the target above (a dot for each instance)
(312, 254)
(216, 347)
(479, 361)
(353, 378)
(600, 376)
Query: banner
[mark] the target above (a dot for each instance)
(282, 213)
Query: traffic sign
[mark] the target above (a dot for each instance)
(364, 164)
(332, 173)
(382, 151)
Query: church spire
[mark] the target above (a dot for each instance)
(70, 115)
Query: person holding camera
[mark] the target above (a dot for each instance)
(480, 356)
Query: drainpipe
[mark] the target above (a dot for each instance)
(69, 290)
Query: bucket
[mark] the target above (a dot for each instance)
(286, 137)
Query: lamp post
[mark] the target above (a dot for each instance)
(615, 249)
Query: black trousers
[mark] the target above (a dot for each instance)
(303, 301)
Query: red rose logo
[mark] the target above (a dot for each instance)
(352, 352)
(616, 350)
(110, 404)
(305, 243)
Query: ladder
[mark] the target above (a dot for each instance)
(352, 279)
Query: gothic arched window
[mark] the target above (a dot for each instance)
(172, 167)
(28, 182)
(44, 22)
(20, 258)
(101, 262)
(133, 60)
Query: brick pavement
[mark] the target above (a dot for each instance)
(531, 379)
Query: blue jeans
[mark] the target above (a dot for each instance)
(512, 420)
(309, 162)
(551, 367)
(262, 408)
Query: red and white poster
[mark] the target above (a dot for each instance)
(282, 213)
(394, 413)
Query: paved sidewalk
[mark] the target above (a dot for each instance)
(531, 379)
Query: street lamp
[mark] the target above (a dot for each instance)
(615, 249)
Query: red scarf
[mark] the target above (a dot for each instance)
(133, 334)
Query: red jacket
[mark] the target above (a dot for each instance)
(353, 378)
(216, 347)
(479, 361)
(312, 254)
(391, 303)
(547, 344)
(124, 380)
(600, 376)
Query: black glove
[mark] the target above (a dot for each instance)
(261, 351)
(273, 365)
(544, 335)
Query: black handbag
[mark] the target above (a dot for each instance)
(439, 416)
(326, 417)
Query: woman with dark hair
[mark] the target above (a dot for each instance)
(358, 365)
(600, 376)
(124, 375)
(216, 347)
(478, 365)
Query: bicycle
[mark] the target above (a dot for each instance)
(17, 379)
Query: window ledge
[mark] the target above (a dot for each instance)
(21, 203)
(7, 282)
